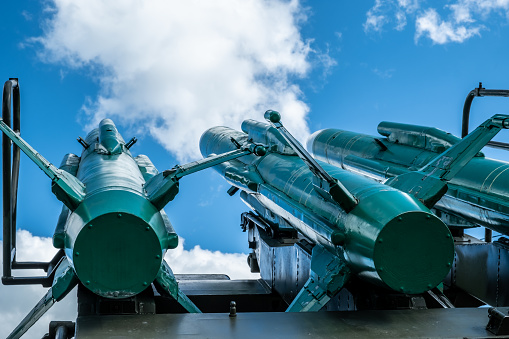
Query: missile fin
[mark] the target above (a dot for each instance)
(35, 314)
(329, 273)
(65, 280)
(167, 282)
(429, 183)
(66, 186)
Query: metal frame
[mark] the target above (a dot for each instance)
(481, 92)
(10, 169)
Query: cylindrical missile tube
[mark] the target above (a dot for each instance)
(478, 193)
(389, 237)
(116, 238)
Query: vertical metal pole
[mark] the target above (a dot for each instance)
(6, 171)
(16, 126)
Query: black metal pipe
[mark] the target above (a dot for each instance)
(30, 265)
(16, 126)
(6, 169)
(466, 111)
(42, 280)
(481, 92)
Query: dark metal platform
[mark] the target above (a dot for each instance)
(432, 323)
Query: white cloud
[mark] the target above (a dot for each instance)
(17, 301)
(384, 12)
(440, 32)
(374, 20)
(176, 68)
(460, 21)
(198, 260)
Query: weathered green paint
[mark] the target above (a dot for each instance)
(284, 186)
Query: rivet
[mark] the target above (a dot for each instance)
(147, 228)
(428, 216)
(430, 286)
(119, 215)
(447, 235)
(448, 264)
(77, 254)
(401, 288)
(87, 282)
(400, 219)
(145, 283)
(89, 225)
(381, 269)
(158, 256)
(380, 240)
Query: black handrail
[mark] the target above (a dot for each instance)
(11, 98)
(10, 178)
(482, 92)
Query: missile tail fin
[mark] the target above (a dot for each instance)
(65, 280)
(166, 281)
(429, 183)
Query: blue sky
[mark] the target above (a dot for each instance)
(165, 71)
(346, 64)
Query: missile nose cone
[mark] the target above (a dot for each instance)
(311, 140)
(109, 136)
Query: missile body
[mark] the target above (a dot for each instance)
(477, 194)
(116, 238)
(384, 239)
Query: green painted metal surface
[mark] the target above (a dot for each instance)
(112, 227)
(477, 193)
(376, 238)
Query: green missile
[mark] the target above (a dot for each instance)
(112, 227)
(477, 193)
(373, 230)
